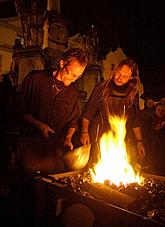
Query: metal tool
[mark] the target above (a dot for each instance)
(78, 158)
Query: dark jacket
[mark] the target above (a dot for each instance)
(58, 108)
(37, 97)
(110, 99)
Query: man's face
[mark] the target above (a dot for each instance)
(72, 71)
(160, 110)
(150, 103)
(123, 75)
(162, 100)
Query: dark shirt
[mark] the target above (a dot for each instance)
(158, 154)
(159, 134)
(108, 98)
(38, 95)
(6, 94)
(145, 117)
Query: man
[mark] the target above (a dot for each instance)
(50, 110)
(116, 97)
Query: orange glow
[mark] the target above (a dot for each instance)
(114, 163)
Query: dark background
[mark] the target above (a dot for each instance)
(136, 26)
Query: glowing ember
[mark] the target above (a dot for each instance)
(114, 164)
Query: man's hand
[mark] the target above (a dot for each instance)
(141, 151)
(85, 139)
(68, 143)
(44, 129)
(68, 139)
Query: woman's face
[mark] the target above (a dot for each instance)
(122, 75)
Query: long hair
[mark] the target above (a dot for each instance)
(133, 85)
(130, 63)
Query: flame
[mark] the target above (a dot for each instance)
(114, 163)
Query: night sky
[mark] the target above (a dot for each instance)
(136, 26)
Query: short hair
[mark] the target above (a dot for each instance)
(160, 104)
(77, 53)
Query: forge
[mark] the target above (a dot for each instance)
(109, 193)
(110, 205)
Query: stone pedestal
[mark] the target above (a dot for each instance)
(90, 78)
(30, 59)
(54, 56)
(87, 82)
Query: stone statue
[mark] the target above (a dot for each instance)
(90, 40)
(32, 22)
(54, 29)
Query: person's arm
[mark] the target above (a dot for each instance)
(137, 123)
(85, 133)
(138, 134)
(159, 126)
(68, 138)
(85, 125)
(91, 111)
(27, 98)
(43, 128)
(140, 146)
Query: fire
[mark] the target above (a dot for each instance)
(114, 163)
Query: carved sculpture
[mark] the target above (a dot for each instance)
(90, 39)
(54, 30)
(32, 22)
